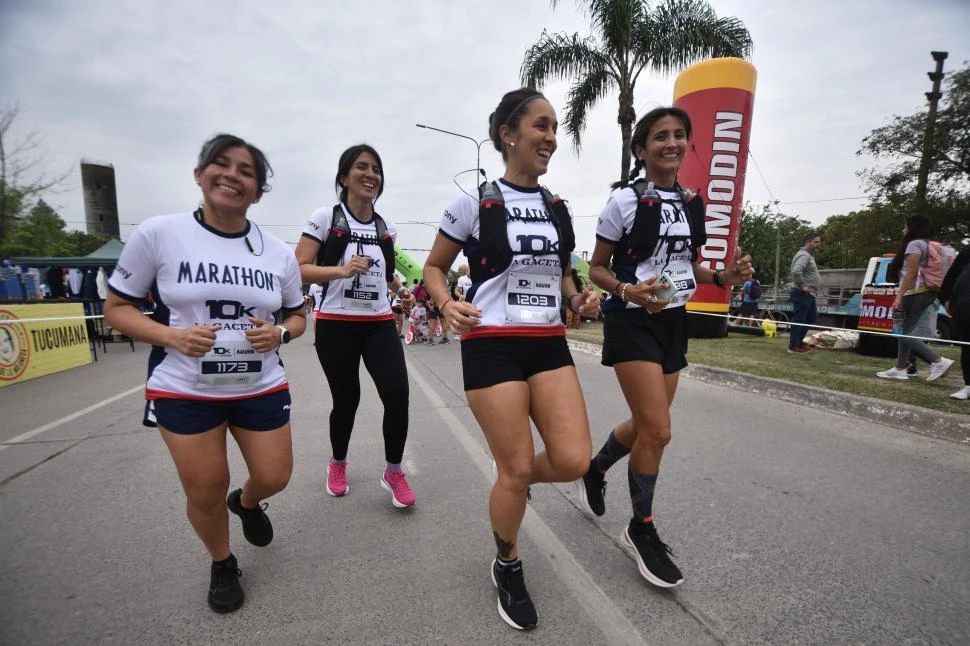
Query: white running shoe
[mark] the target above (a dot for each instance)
(963, 393)
(894, 373)
(939, 368)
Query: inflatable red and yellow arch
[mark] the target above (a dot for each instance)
(718, 95)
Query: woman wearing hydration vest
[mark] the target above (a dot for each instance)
(215, 365)
(355, 321)
(515, 361)
(913, 297)
(649, 232)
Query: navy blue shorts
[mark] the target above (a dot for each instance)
(194, 416)
(493, 360)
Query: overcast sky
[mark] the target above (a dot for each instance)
(142, 84)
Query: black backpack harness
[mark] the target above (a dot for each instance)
(332, 250)
(641, 241)
(494, 253)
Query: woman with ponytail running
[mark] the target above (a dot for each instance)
(649, 233)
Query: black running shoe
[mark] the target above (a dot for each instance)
(256, 526)
(591, 492)
(651, 554)
(514, 605)
(225, 593)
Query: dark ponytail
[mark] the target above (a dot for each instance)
(634, 173)
(918, 227)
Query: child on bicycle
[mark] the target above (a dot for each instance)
(419, 321)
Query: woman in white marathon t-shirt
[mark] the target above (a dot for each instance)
(515, 361)
(355, 321)
(644, 333)
(221, 282)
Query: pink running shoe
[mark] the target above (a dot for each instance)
(337, 479)
(397, 485)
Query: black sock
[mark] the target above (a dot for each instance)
(225, 562)
(502, 563)
(611, 452)
(642, 486)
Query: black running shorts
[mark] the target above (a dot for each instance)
(493, 360)
(635, 335)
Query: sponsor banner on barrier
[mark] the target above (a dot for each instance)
(29, 350)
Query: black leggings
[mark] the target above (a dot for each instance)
(340, 346)
(963, 334)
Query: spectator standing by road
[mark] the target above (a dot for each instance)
(750, 295)
(805, 284)
(464, 280)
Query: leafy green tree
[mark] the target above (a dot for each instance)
(770, 239)
(630, 36)
(82, 244)
(850, 240)
(42, 232)
(899, 145)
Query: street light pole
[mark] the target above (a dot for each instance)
(478, 144)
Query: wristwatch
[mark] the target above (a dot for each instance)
(285, 335)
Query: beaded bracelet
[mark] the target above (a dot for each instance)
(623, 292)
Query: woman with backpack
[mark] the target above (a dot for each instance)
(915, 257)
(516, 365)
(646, 256)
(955, 296)
(349, 249)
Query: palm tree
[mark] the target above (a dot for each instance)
(630, 36)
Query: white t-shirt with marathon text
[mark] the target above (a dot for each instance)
(673, 250)
(364, 296)
(523, 300)
(207, 277)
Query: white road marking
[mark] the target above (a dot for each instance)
(23, 437)
(614, 625)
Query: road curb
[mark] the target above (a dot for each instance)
(924, 421)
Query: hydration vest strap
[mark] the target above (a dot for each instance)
(332, 250)
(494, 253)
(645, 232)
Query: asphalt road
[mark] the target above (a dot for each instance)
(792, 526)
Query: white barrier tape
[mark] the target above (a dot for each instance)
(844, 329)
(714, 314)
(52, 318)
